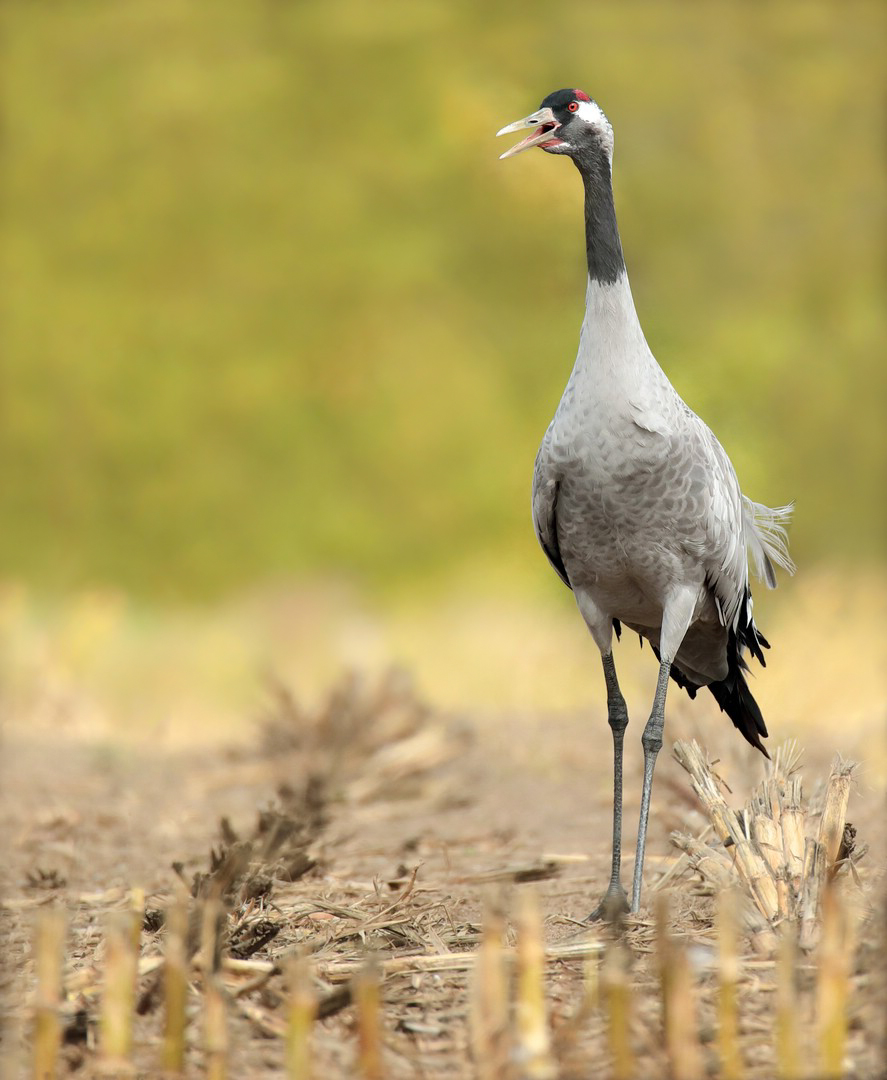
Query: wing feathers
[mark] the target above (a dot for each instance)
(545, 492)
(767, 538)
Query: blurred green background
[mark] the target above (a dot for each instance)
(272, 308)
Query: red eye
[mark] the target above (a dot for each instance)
(573, 106)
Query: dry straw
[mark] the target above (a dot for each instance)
(832, 984)
(678, 1000)
(302, 1014)
(489, 1005)
(617, 994)
(788, 1052)
(175, 985)
(118, 1000)
(728, 982)
(533, 1041)
(51, 925)
(367, 998)
(215, 1024)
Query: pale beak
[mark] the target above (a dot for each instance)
(544, 123)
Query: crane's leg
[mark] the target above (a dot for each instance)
(652, 743)
(614, 901)
(675, 619)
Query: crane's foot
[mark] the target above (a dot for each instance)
(613, 905)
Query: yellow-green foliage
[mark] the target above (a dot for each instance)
(271, 304)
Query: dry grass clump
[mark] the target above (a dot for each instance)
(780, 849)
(369, 739)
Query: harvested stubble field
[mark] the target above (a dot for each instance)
(403, 855)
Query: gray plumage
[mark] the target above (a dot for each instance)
(634, 497)
(635, 502)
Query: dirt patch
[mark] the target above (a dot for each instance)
(372, 825)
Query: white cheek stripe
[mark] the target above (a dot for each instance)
(592, 113)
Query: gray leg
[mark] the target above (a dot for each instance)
(652, 743)
(614, 901)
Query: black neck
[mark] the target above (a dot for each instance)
(602, 244)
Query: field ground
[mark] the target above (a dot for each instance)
(371, 784)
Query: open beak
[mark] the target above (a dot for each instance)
(545, 125)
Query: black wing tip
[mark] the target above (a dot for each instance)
(736, 699)
(747, 634)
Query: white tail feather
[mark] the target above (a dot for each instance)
(768, 539)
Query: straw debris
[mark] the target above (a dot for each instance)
(774, 847)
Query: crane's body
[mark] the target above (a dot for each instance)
(635, 502)
(639, 498)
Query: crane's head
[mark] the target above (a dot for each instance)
(567, 122)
